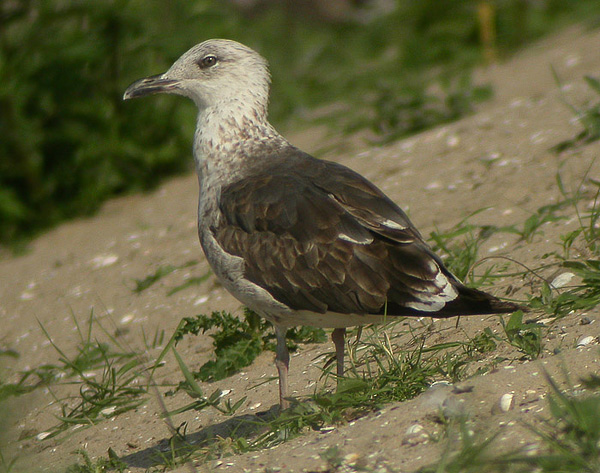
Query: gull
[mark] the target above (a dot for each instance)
(299, 240)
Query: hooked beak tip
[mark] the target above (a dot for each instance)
(149, 86)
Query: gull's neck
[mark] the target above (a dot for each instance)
(232, 138)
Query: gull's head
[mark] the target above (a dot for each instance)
(217, 72)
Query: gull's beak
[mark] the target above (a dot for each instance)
(150, 85)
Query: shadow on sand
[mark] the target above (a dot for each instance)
(184, 445)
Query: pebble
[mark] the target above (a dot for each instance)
(453, 141)
(127, 318)
(583, 341)
(107, 411)
(42, 435)
(351, 459)
(26, 296)
(433, 185)
(102, 261)
(504, 404)
(415, 434)
(562, 280)
(414, 429)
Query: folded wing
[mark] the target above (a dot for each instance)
(319, 237)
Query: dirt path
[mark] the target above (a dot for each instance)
(498, 159)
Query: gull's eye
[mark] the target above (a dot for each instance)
(207, 61)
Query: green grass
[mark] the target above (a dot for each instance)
(164, 270)
(525, 337)
(22, 386)
(588, 116)
(583, 296)
(584, 241)
(109, 379)
(6, 465)
(382, 369)
(464, 451)
(101, 380)
(459, 246)
(569, 440)
(237, 342)
(101, 465)
(395, 112)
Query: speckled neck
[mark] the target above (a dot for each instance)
(231, 140)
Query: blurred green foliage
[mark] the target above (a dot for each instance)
(67, 141)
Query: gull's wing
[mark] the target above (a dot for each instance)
(320, 237)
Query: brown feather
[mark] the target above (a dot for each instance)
(320, 237)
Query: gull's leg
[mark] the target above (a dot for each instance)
(338, 337)
(282, 361)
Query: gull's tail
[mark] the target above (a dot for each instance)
(468, 302)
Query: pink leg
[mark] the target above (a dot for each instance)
(338, 337)
(282, 362)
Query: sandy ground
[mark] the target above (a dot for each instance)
(499, 159)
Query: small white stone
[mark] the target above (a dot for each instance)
(490, 158)
(506, 402)
(583, 341)
(102, 261)
(438, 384)
(494, 249)
(351, 458)
(572, 60)
(433, 185)
(562, 280)
(414, 429)
(537, 137)
(127, 318)
(414, 435)
(26, 296)
(453, 141)
(42, 435)
(107, 411)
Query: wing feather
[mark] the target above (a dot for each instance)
(319, 237)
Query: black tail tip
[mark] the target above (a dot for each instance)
(503, 307)
(476, 301)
